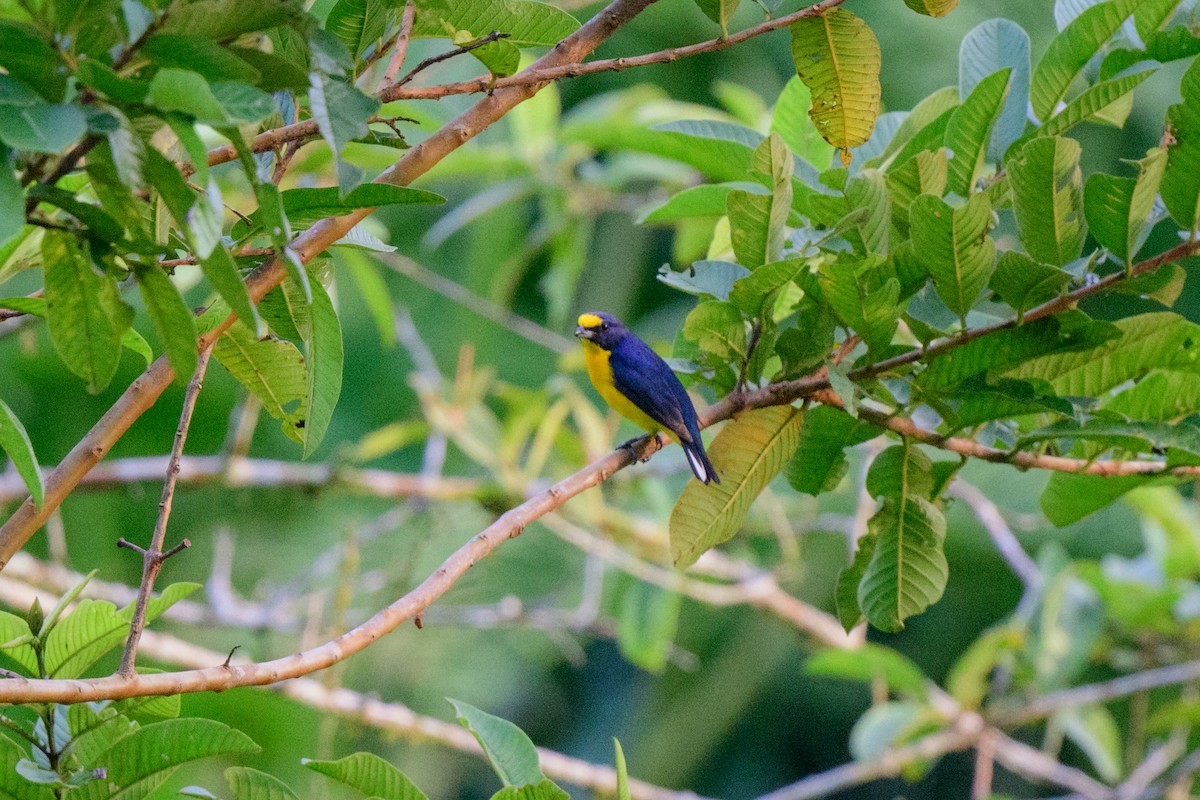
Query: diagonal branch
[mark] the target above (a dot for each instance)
(145, 390)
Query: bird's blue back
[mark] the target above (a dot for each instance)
(642, 376)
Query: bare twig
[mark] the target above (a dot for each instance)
(1031, 763)
(985, 766)
(449, 54)
(154, 555)
(401, 49)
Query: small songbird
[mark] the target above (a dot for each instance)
(635, 381)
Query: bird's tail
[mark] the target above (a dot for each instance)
(702, 468)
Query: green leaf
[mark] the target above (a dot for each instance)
(748, 453)
(790, 120)
(970, 676)
(1117, 208)
(501, 57)
(755, 293)
(545, 790)
(720, 150)
(837, 57)
(1069, 498)
(12, 785)
(1163, 285)
(864, 302)
(923, 129)
(40, 127)
(221, 271)
(224, 20)
(272, 369)
(306, 206)
(15, 442)
(85, 312)
(242, 103)
(173, 320)
(359, 23)
(970, 130)
(369, 774)
(29, 58)
(757, 221)
(1092, 102)
(12, 201)
(718, 328)
(819, 462)
(324, 361)
(1069, 621)
(188, 93)
(1180, 187)
(622, 773)
(1072, 49)
(1023, 283)
(932, 8)
(705, 278)
(15, 637)
(925, 173)
(646, 624)
(509, 751)
(993, 45)
(374, 292)
(1161, 395)
(1095, 732)
(705, 200)
(908, 570)
(869, 663)
(883, 726)
(1147, 341)
(528, 24)
(900, 470)
(719, 11)
(341, 112)
(1047, 188)
(198, 54)
(250, 784)
(846, 591)
(955, 247)
(867, 194)
(139, 763)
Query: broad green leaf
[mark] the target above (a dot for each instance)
(970, 130)
(1068, 622)
(900, 470)
(223, 20)
(369, 774)
(14, 642)
(250, 784)
(15, 442)
(925, 173)
(883, 726)
(622, 773)
(1117, 208)
(161, 706)
(1047, 188)
(501, 57)
(12, 785)
(837, 57)
(188, 93)
(868, 195)
(757, 221)
(341, 112)
(1023, 283)
(545, 790)
(718, 328)
(85, 312)
(719, 11)
(705, 278)
(198, 54)
(646, 624)
(862, 298)
(12, 200)
(706, 200)
(955, 247)
(173, 320)
(1092, 102)
(324, 362)
(306, 206)
(846, 592)
(41, 127)
(1161, 395)
(139, 763)
(1069, 498)
(100, 224)
(242, 103)
(272, 369)
(1163, 285)
(1180, 187)
(1133, 437)
(287, 311)
(720, 150)
(748, 453)
(932, 8)
(990, 46)
(869, 663)
(969, 679)
(908, 570)
(1146, 342)
(753, 294)
(1095, 732)
(509, 751)
(1071, 50)
(923, 129)
(528, 24)
(819, 462)
(359, 23)
(790, 120)
(27, 57)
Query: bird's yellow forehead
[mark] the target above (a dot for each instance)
(590, 321)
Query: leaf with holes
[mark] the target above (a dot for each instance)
(748, 453)
(837, 57)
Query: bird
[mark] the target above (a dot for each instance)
(635, 381)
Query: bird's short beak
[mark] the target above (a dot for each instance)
(585, 333)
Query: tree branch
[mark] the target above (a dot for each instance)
(401, 49)
(142, 393)
(154, 556)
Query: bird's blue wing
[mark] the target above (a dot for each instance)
(642, 376)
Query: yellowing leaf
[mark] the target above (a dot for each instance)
(932, 8)
(837, 57)
(747, 453)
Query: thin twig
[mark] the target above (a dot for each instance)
(449, 54)
(401, 49)
(154, 556)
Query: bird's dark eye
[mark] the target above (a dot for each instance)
(603, 326)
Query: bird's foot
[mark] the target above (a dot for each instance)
(633, 444)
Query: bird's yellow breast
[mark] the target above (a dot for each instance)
(600, 371)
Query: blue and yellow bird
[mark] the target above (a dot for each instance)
(635, 381)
